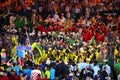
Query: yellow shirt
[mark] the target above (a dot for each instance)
(97, 54)
(71, 56)
(76, 58)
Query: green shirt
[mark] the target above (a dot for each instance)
(71, 42)
(19, 23)
(47, 72)
(117, 67)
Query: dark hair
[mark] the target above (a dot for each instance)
(38, 75)
(23, 75)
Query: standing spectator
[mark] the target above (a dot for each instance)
(104, 74)
(34, 73)
(27, 71)
(47, 72)
(16, 69)
(5, 77)
(45, 78)
(82, 65)
(52, 73)
(39, 77)
(96, 68)
(61, 70)
(108, 68)
(23, 77)
(14, 76)
(55, 17)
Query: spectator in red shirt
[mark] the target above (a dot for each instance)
(39, 77)
(15, 77)
(23, 77)
(45, 77)
(4, 76)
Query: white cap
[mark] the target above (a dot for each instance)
(49, 32)
(43, 33)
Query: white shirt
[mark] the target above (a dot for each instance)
(63, 20)
(96, 69)
(88, 23)
(82, 65)
(34, 74)
(56, 17)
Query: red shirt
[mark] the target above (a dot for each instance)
(1, 78)
(14, 77)
(5, 78)
(92, 28)
(101, 38)
(45, 78)
(85, 37)
(84, 31)
(90, 35)
(39, 79)
(40, 28)
(97, 36)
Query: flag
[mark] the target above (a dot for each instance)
(14, 44)
(38, 57)
(23, 47)
(14, 40)
(38, 47)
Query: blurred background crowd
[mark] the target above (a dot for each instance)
(70, 39)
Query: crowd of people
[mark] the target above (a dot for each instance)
(77, 41)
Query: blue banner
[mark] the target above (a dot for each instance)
(23, 48)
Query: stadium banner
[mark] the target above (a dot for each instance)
(24, 48)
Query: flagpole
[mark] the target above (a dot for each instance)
(28, 38)
(29, 44)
